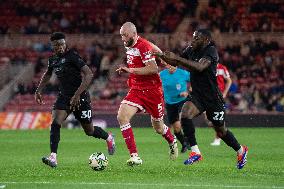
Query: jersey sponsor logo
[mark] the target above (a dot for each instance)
(133, 52)
(62, 61)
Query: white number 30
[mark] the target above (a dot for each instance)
(218, 116)
(86, 114)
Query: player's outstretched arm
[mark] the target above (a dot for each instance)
(174, 60)
(43, 82)
(150, 68)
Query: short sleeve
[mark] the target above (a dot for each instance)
(77, 60)
(211, 54)
(146, 52)
(226, 72)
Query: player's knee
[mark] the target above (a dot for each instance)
(209, 123)
(187, 115)
(122, 119)
(55, 123)
(220, 130)
(89, 132)
(88, 129)
(159, 130)
(177, 128)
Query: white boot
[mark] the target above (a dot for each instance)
(216, 142)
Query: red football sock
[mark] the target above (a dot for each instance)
(128, 136)
(168, 135)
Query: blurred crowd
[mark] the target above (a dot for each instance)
(243, 16)
(257, 71)
(161, 16)
(256, 66)
(92, 16)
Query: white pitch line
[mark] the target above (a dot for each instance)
(145, 184)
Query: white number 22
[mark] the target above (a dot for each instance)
(218, 116)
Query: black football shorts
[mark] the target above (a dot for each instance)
(83, 114)
(173, 111)
(215, 109)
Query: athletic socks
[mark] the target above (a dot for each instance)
(195, 149)
(128, 136)
(180, 137)
(168, 135)
(109, 138)
(54, 136)
(231, 141)
(240, 151)
(100, 133)
(189, 131)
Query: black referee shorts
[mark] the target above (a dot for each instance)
(83, 114)
(173, 111)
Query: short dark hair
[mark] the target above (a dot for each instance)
(56, 36)
(205, 32)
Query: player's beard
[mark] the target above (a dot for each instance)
(129, 43)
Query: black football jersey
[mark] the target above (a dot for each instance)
(67, 68)
(204, 84)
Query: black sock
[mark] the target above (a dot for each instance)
(180, 137)
(100, 133)
(189, 131)
(54, 136)
(231, 141)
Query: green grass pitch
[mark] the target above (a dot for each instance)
(21, 166)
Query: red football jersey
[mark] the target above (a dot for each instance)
(137, 56)
(221, 73)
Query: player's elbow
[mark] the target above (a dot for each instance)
(154, 71)
(90, 75)
(201, 68)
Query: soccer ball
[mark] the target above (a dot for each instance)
(98, 161)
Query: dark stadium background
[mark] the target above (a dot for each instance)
(249, 36)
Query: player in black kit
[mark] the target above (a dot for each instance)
(201, 59)
(74, 78)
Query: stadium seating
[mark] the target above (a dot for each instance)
(245, 16)
(248, 60)
(35, 16)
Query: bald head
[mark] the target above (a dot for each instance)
(128, 27)
(128, 34)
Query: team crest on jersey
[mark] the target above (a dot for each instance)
(178, 86)
(62, 61)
